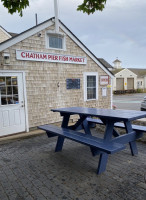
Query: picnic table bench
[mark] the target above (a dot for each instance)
(98, 146)
(85, 139)
(138, 128)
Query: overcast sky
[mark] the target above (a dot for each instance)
(118, 31)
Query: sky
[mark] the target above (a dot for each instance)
(119, 31)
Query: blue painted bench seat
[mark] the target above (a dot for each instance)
(118, 124)
(85, 139)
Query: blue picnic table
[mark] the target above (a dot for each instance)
(111, 142)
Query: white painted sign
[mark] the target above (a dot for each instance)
(104, 80)
(49, 57)
(104, 91)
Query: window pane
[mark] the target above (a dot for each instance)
(91, 93)
(10, 100)
(8, 80)
(9, 90)
(15, 90)
(55, 42)
(3, 90)
(91, 81)
(15, 99)
(3, 101)
(2, 81)
(14, 80)
(91, 87)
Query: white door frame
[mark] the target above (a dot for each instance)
(25, 95)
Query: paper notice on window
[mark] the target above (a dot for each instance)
(104, 91)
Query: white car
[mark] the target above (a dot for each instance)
(143, 104)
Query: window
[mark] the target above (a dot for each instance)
(55, 40)
(139, 83)
(91, 86)
(8, 90)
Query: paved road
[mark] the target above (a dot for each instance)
(31, 170)
(128, 101)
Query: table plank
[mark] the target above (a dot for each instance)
(117, 115)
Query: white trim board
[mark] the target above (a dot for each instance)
(111, 93)
(85, 85)
(25, 102)
(25, 35)
(125, 69)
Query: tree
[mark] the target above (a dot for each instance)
(15, 5)
(88, 6)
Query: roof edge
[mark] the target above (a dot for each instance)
(6, 32)
(21, 36)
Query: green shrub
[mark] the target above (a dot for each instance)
(140, 90)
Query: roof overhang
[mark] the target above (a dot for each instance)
(125, 69)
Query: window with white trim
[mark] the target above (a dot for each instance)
(55, 41)
(90, 86)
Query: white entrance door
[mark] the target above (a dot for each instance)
(12, 111)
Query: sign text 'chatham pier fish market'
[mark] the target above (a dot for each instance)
(49, 57)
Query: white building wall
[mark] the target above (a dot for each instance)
(125, 73)
(145, 82)
(114, 84)
(140, 83)
(3, 35)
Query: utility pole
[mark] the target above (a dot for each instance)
(56, 16)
